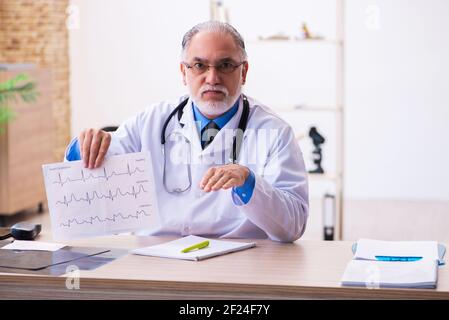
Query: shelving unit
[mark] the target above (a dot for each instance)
(338, 177)
(340, 118)
(337, 110)
(310, 108)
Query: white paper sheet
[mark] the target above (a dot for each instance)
(117, 197)
(368, 249)
(33, 245)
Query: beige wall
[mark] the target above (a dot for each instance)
(396, 220)
(35, 32)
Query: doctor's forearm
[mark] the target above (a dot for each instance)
(281, 214)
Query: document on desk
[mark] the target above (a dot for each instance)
(421, 274)
(117, 197)
(369, 249)
(173, 249)
(33, 245)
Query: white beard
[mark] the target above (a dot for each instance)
(215, 108)
(212, 108)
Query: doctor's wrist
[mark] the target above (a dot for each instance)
(245, 191)
(246, 174)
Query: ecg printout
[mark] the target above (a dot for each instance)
(117, 197)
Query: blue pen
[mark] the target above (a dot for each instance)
(392, 258)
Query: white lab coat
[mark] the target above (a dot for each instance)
(278, 208)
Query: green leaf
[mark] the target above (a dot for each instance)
(10, 90)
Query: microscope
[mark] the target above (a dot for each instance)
(317, 140)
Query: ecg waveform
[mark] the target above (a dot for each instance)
(97, 219)
(110, 195)
(105, 175)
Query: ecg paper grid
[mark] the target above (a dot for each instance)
(115, 198)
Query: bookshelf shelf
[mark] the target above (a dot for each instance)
(308, 108)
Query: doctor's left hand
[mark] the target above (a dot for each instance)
(224, 177)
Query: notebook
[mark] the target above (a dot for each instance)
(420, 274)
(173, 248)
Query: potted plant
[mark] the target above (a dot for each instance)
(18, 87)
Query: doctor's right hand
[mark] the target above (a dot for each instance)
(94, 144)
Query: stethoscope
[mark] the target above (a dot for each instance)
(236, 141)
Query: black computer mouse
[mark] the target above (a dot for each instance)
(25, 231)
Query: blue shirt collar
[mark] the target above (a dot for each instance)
(202, 121)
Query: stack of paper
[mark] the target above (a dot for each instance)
(33, 245)
(385, 274)
(173, 249)
(393, 264)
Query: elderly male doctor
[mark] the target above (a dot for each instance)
(211, 179)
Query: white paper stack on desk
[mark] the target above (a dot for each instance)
(393, 264)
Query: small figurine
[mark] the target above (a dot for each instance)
(305, 31)
(317, 140)
(307, 35)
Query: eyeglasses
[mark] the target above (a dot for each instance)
(225, 67)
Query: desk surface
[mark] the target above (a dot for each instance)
(304, 269)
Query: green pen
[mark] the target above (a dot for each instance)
(198, 246)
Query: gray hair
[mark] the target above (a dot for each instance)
(214, 26)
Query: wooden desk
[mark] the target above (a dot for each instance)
(305, 269)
